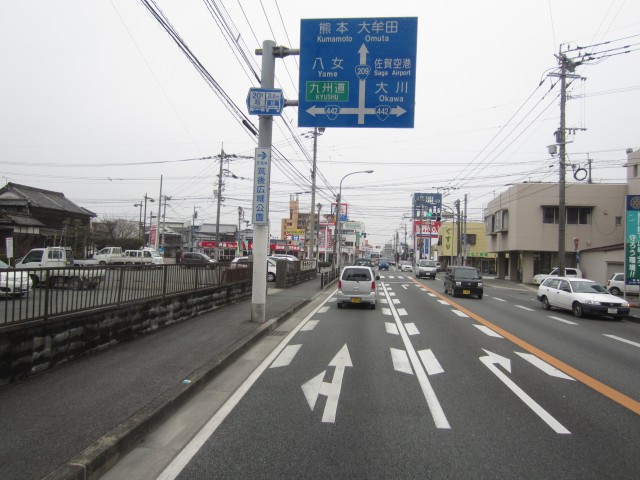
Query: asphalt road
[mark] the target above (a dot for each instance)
(425, 386)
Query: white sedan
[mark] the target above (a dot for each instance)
(582, 297)
(406, 267)
(13, 283)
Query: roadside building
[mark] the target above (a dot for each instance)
(34, 217)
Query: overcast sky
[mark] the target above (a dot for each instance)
(97, 102)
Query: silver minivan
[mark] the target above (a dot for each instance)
(357, 285)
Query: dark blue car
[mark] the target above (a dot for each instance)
(384, 264)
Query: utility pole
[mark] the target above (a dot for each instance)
(458, 239)
(466, 241)
(164, 214)
(316, 132)
(561, 138)
(269, 52)
(218, 208)
(158, 217)
(193, 225)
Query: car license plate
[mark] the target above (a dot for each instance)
(612, 310)
(466, 292)
(356, 299)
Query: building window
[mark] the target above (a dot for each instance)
(618, 221)
(489, 219)
(635, 170)
(505, 220)
(579, 216)
(550, 214)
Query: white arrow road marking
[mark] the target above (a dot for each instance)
(488, 331)
(435, 408)
(188, 452)
(391, 327)
(544, 366)
(316, 386)
(411, 328)
(430, 362)
(524, 308)
(401, 361)
(499, 299)
(324, 309)
(386, 311)
(460, 314)
(563, 320)
(401, 311)
(620, 339)
(310, 325)
(286, 356)
(490, 362)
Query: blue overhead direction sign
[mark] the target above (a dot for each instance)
(358, 72)
(265, 101)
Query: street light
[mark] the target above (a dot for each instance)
(338, 225)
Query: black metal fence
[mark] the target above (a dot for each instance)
(61, 291)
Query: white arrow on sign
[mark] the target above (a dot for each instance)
(493, 359)
(317, 386)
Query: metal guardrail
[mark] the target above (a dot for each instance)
(329, 276)
(64, 291)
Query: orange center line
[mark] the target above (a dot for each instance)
(582, 377)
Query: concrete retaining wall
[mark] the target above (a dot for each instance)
(26, 349)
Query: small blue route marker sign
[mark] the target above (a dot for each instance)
(358, 72)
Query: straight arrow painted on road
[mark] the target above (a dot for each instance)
(317, 386)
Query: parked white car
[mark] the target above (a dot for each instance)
(568, 272)
(581, 296)
(616, 285)
(13, 283)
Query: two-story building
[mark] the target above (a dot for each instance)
(522, 226)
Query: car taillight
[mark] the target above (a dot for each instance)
(373, 286)
(339, 284)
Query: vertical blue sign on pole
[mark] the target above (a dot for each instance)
(632, 241)
(358, 72)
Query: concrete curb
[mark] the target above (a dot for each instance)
(103, 453)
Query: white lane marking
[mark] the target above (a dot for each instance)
(499, 299)
(395, 301)
(391, 294)
(187, 453)
(524, 308)
(437, 413)
(332, 299)
(487, 331)
(490, 361)
(401, 361)
(391, 327)
(430, 362)
(383, 300)
(544, 366)
(562, 320)
(286, 356)
(460, 314)
(443, 302)
(311, 324)
(404, 286)
(431, 294)
(620, 339)
(411, 328)
(401, 311)
(324, 309)
(386, 311)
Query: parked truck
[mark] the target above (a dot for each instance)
(56, 266)
(115, 256)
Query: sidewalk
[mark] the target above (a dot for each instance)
(87, 413)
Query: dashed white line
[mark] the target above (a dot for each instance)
(310, 325)
(391, 328)
(525, 308)
(620, 339)
(411, 328)
(402, 312)
(324, 309)
(286, 356)
(401, 361)
(488, 331)
(460, 314)
(430, 362)
(499, 299)
(562, 320)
